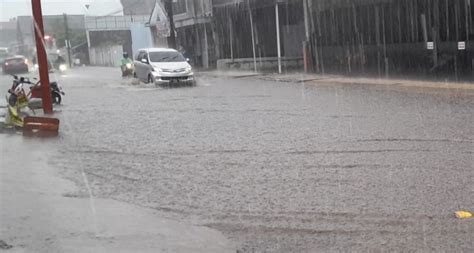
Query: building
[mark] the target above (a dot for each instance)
(217, 33)
(259, 35)
(137, 7)
(392, 37)
(8, 31)
(108, 37)
(355, 37)
(193, 27)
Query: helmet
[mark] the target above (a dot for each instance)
(125, 55)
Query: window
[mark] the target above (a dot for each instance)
(139, 56)
(179, 7)
(142, 55)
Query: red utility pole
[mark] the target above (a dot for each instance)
(41, 56)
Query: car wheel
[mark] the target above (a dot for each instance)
(150, 79)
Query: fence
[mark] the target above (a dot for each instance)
(106, 56)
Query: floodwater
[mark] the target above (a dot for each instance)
(278, 167)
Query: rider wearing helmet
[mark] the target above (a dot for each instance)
(126, 64)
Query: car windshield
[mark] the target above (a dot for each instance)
(166, 57)
(15, 60)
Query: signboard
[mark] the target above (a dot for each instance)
(430, 45)
(461, 45)
(159, 19)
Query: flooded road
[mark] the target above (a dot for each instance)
(278, 167)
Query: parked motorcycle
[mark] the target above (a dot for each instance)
(18, 103)
(18, 88)
(21, 115)
(18, 95)
(56, 93)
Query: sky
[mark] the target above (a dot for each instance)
(13, 8)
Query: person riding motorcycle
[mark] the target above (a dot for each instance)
(126, 65)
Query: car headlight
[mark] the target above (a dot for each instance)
(62, 67)
(188, 69)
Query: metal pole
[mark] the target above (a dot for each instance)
(277, 17)
(306, 20)
(68, 42)
(307, 52)
(87, 33)
(253, 38)
(231, 31)
(42, 58)
(205, 55)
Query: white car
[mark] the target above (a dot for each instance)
(163, 66)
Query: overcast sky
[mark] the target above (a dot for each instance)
(13, 8)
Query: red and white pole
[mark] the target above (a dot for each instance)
(41, 56)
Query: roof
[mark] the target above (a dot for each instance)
(158, 49)
(137, 7)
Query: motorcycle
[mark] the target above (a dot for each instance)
(56, 93)
(17, 118)
(17, 101)
(127, 70)
(35, 90)
(18, 95)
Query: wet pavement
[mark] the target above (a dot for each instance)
(278, 167)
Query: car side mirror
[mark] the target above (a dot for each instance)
(144, 61)
(188, 60)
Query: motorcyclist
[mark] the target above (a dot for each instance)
(126, 65)
(58, 62)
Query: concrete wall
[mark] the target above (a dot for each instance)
(292, 39)
(263, 64)
(8, 33)
(141, 38)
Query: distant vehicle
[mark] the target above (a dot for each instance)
(15, 64)
(56, 62)
(163, 66)
(3, 54)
